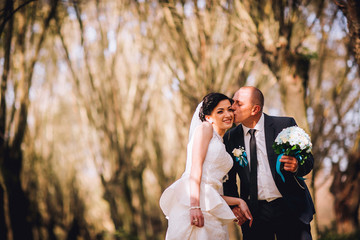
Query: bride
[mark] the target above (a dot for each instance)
(194, 204)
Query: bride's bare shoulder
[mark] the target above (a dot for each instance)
(205, 128)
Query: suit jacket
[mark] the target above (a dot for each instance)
(294, 190)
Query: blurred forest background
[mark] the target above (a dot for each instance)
(97, 96)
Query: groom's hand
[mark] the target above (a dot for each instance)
(290, 163)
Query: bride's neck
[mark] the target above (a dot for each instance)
(221, 132)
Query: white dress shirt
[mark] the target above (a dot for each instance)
(267, 189)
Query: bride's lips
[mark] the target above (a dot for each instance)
(228, 120)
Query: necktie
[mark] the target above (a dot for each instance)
(253, 173)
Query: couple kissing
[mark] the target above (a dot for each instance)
(206, 198)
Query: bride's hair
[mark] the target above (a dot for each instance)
(209, 102)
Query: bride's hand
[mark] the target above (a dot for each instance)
(244, 212)
(196, 217)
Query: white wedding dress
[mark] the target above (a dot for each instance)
(175, 201)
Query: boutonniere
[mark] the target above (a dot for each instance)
(240, 156)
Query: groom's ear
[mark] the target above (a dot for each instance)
(256, 109)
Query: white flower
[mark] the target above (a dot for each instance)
(294, 136)
(237, 152)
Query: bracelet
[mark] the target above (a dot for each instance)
(194, 207)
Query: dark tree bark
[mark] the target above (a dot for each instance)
(351, 10)
(285, 58)
(346, 188)
(9, 12)
(79, 227)
(9, 5)
(346, 184)
(11, 158)
(3, 227)
(17, 200)
(106, 116)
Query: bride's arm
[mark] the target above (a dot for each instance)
(244, 213)
(202, 137)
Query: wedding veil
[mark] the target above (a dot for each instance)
(195, 121)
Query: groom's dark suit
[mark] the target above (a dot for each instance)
(294, 191)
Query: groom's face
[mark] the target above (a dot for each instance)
(242, 106)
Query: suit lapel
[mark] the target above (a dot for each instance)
(270, 138)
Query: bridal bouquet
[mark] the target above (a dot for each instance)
(292, 141)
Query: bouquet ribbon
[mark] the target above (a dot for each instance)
(278, 164)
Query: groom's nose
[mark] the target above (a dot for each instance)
(233, 106)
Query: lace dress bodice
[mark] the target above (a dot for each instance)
(216, 164)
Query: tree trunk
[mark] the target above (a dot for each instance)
(351, 9)
(17, 200)
(114, 212)
(3, 227)
(293, 94)
(291, 71)
(9, 6)
(293, 79)
(11, 158)
(345, 188)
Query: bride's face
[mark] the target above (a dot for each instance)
(222, 117)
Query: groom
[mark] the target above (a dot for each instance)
(281, 209)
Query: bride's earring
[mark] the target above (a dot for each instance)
(209, 120)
